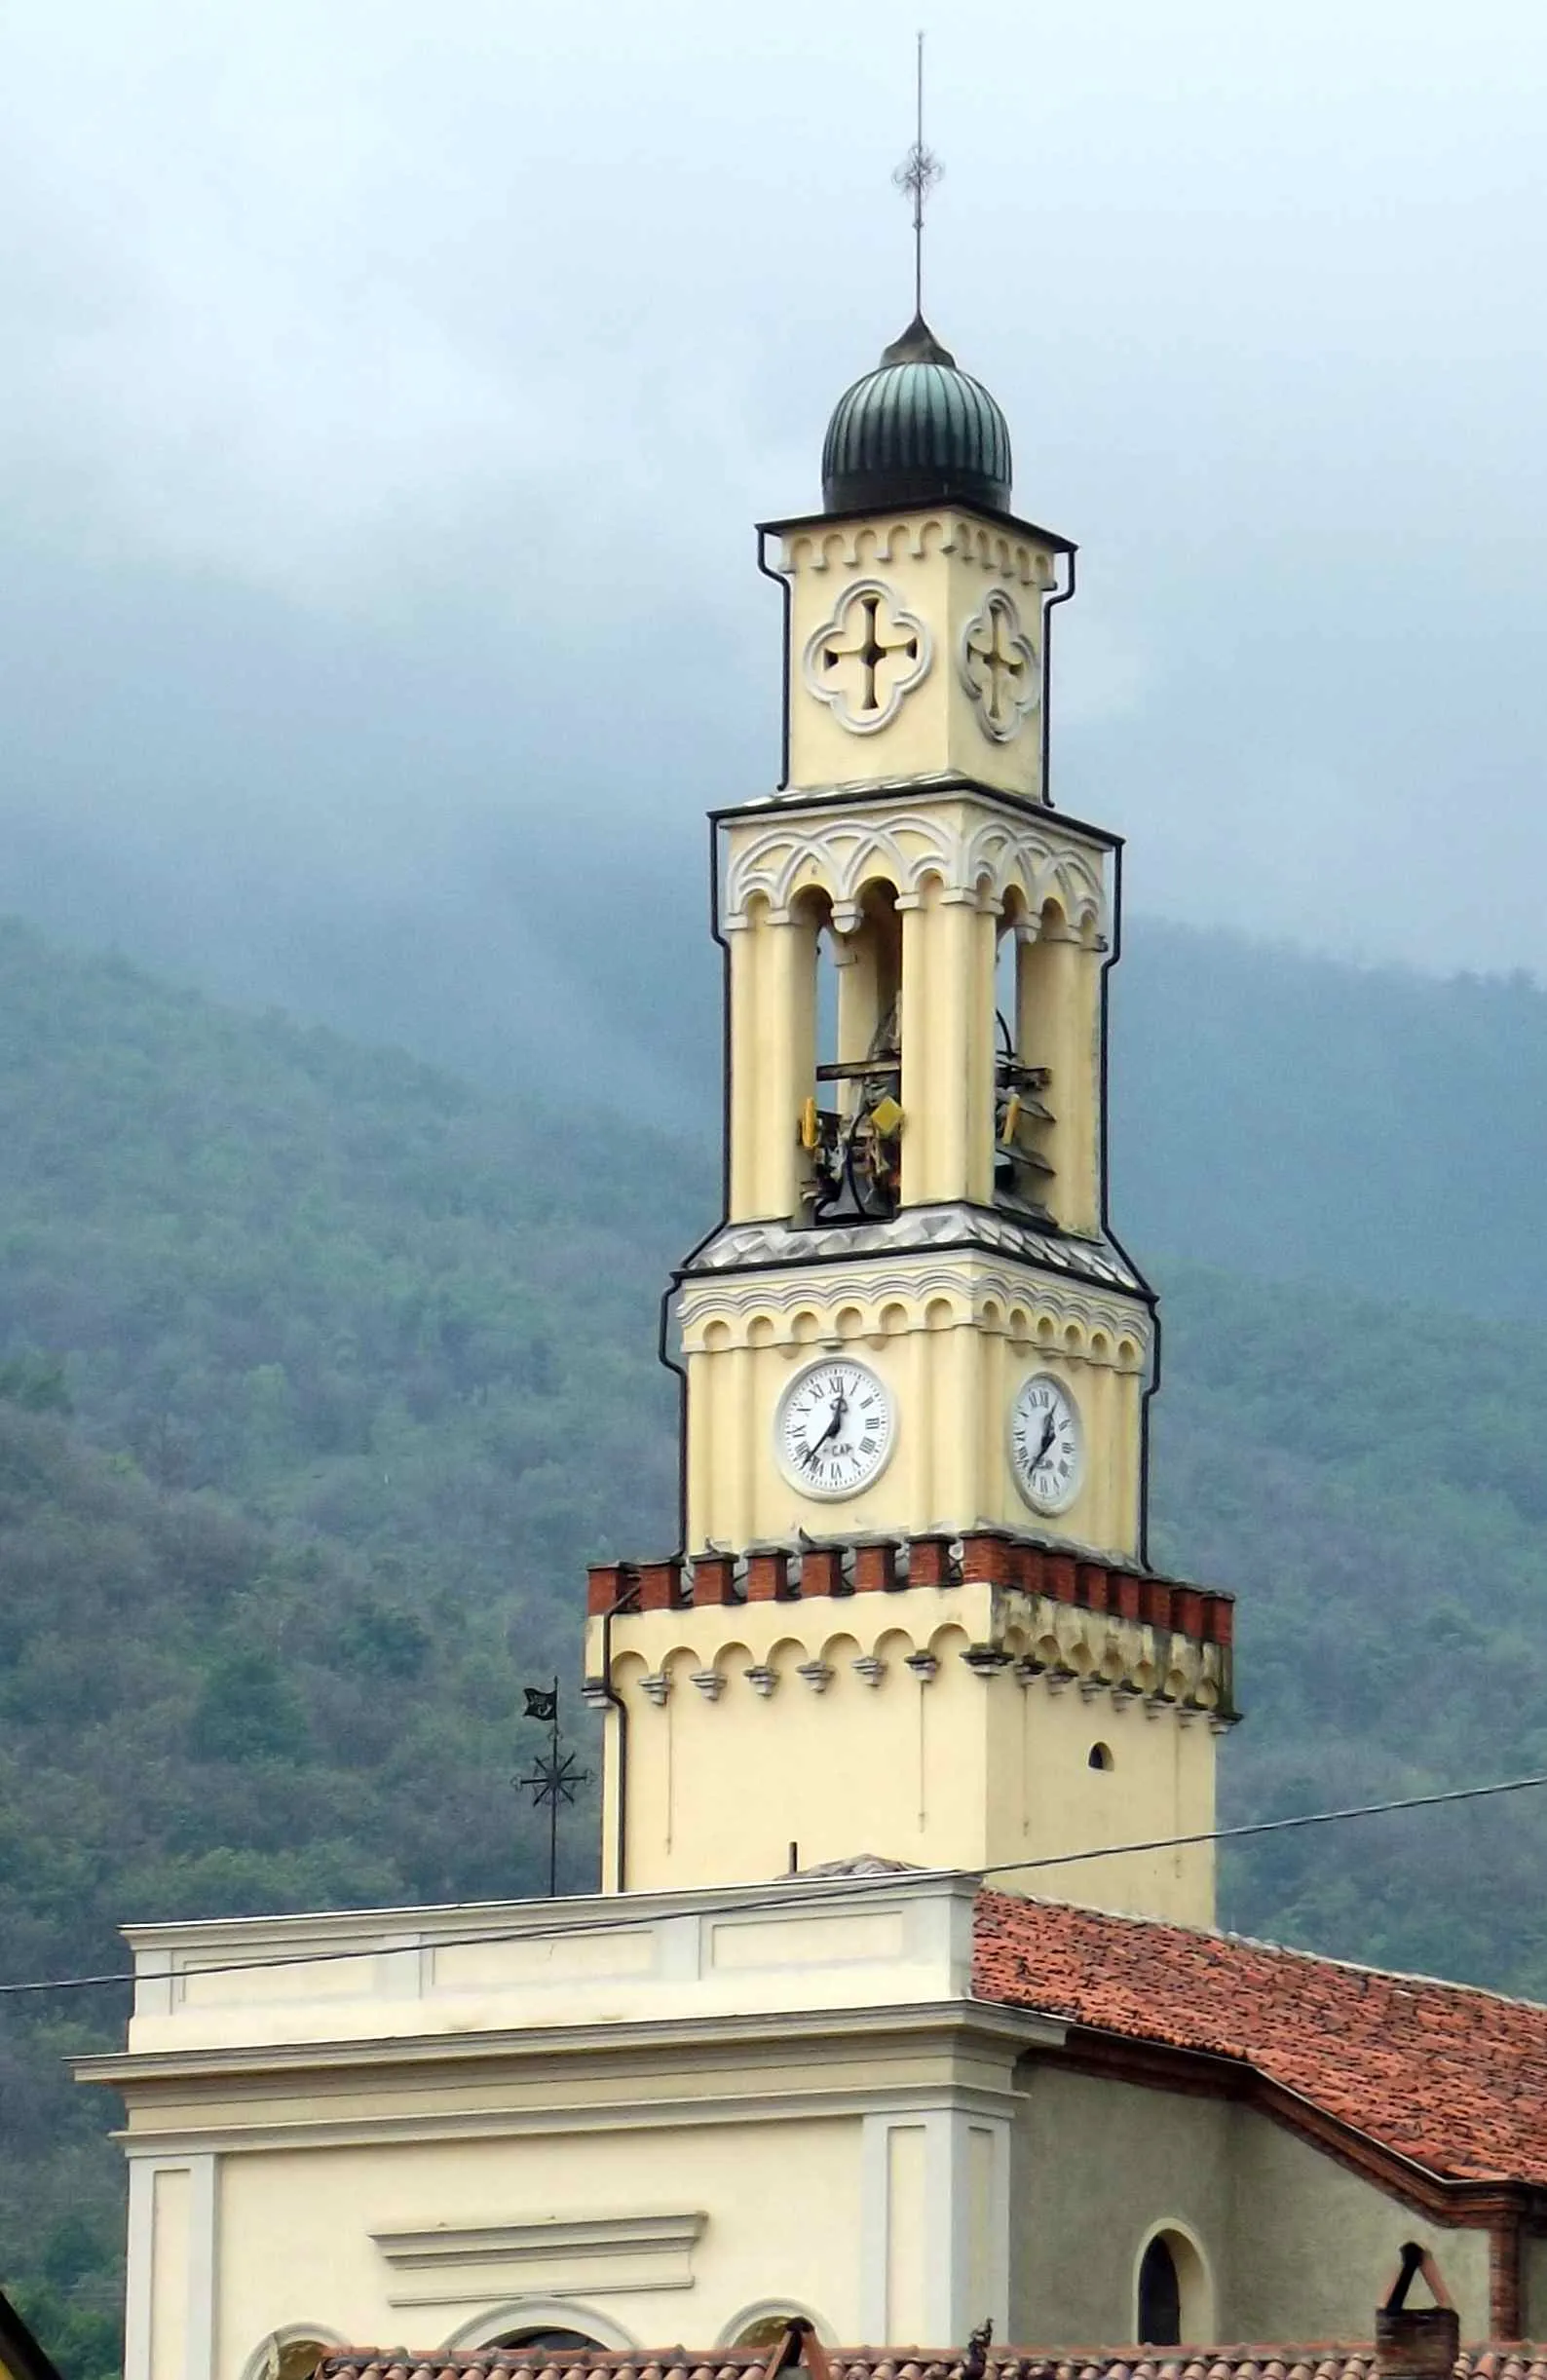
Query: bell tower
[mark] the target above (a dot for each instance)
(913, 1615)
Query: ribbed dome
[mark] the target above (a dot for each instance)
(916, 430)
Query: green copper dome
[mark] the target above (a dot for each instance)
(913, 431)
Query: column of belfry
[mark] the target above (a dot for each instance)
(913, 1615)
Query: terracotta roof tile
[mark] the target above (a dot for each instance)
(1319, 2361)
(1444, 2074)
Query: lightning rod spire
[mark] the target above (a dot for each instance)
(915, 177)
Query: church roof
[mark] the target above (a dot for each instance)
(1446, 2076)
(1324, 2362)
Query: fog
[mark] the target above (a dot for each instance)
(391, 392)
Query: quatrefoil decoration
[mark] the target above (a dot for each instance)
(1000, 667)
(868, 657)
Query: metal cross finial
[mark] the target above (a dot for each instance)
(915, 177)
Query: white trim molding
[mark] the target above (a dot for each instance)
(450, 2264)
(270, 2358)
(541, 2313)
(146, 2175)
(962, 2213)
(773, 2310)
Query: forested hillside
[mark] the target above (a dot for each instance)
(321, 1374)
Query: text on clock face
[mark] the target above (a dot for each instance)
(836, 1427)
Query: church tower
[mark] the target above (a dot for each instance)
(913, 1615)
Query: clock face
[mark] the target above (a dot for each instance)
(834, 1428)
(1047, 1444)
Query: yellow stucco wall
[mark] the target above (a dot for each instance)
(1294, 2246)
(953, 1336)
(935, 570)
(757, 1725)
(299, 2233)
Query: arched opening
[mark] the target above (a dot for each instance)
(1159, 2296)
(1022, 1117)
(765, 2323)
(542, 2327)
(1099, 1757)
(550, 2341)
(1174, 2296)
(766, 2330)
(852, 1125)
(292, 2353)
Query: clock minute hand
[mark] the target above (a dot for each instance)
(835, 1423)
(1049, 1433)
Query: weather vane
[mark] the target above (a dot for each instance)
(554, 1777)
(915, 177)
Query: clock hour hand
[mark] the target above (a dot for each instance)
(835, 1423)
(1049, 1433)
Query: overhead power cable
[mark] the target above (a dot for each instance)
(813, 1890)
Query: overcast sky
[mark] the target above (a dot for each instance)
(353, 345)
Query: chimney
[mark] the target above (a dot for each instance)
(1416, 2342)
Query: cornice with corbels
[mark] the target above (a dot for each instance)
(1056, 1317)
(853, 545)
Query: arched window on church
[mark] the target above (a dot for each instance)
(1175, 2293)
(764, 2330)
(290, 2354)
(1159, 2296)
(546, 2341)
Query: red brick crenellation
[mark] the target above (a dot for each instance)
(888, 1565)
(823, 1572)
(660, 1584)
(876, 1567)
(714, 1580)
(609, 1586)
(768, 1577)
(930, 1562)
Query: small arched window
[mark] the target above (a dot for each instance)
(1101, 1756)
(1160, 2291)
(292, 2353)
(764, 2330)
(549, 2341)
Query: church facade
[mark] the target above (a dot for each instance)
(901, 2007)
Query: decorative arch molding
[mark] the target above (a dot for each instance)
(971, 858)
(852, 545)
(773, 2310)
(1047, 1643)
(740, 1312)
(280, 2355)
(541, 2313)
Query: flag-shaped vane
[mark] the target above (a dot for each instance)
(556, 1776)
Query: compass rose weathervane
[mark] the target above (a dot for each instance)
(915, 177)
(554, 1777)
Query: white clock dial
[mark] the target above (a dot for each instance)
(1047, 1444)
(834, 1428)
